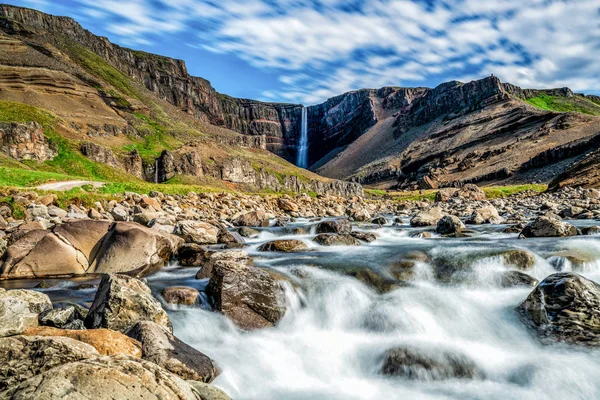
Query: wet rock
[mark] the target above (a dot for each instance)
(193, 255)
(334, 226)
(449, 224)
(549, 225)
(252, 218)
(364, 236)
(247, 295)
(208, 392)
(22, 357)
(485, 215)
(197, 232)
(180, 295)
(122, 301)
(379, 221)
(511, 279)
(285, 246)
(248, 232)
(162, 348)
(571, 212)
(61, 317)
(334, 239)
(104, 378)
(404, 269)
(520, 259)
(590, 230)
(372, 279)
(427, 217)
(429, 365)
(564, 307)
(239, 257)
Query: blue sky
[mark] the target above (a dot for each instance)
(305, 51)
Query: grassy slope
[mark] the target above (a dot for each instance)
(566, 104)
(492, 192)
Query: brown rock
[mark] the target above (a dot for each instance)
(285, 246)
(180, 295)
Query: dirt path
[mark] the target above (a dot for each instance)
(68, 185)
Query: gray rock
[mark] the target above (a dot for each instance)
(15, 315)
(549, 225)
(511, 279)
(449, 224)
(285, 246)
(427, 217)
(121, 302)
(62, 317)
(364, 236)
(162, 348)
(197, 232)
(335, 226)
(335, 239)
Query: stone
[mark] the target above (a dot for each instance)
(94, 214)
(449, 224)
(485, 215)
(340, 225)
(510, 279)
(57, 212)
(180, 295)
(107, 342)
(364, 236)
(208, 392)
(193, 255)
(15, 315)
(239, 257)
(467, 192)
(377, 282)
(162, 348)
(427, 217)
(335, 239)
(248, 232)
(248, 296)
(590, 230)
(564, 307)
(379, 221)
(431, 364)
(287, 205)
(119, 213)
(549, 225)
(122, 301)
(252, 218)
(60, 317)
(197, 232)
(22, 357)
(520, 259)
(285, 246)
(105, 378)
(37, 302)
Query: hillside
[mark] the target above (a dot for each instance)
(485, 132)
(108, 113)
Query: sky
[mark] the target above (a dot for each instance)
(305, 51)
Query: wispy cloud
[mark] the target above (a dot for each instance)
(320, 48)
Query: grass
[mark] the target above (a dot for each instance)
(19, 112)
(565, 104)
(154, 140)
(498, 192)
(491, 192)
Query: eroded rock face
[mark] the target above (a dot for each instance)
(25, 142)
(22, 357)
(105, 378)
(162, 348)
(428, 365)
(549, 225)
(247, 295)
(122, 301)
(564, 307)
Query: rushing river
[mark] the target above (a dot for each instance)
(331, 341)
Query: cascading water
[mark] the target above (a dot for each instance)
(302, 157)
(156, 171)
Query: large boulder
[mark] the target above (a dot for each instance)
(564, 307)
(197, 232)
(285, 246)
(223, 257)
(121, 302)
(449, 224)
(105, 341)
(427, 217)
(193, 255)
(105, 378)
(63, 317)
(88, 246)
(485, 215)
(421, 364)
(549, 225)
(19, 310)
(252, 218)
(180, 295)
(339, 225)
(22, 357)
(162, 348)
(336, 239)
(247, 295)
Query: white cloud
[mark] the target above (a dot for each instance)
(323, 51)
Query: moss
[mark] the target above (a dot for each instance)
(19, 112)
(565, 104)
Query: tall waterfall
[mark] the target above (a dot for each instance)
(156, 171)
(302, 158)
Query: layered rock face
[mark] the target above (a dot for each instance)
(25, 142)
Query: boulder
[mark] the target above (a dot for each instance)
(379, 221)
(334, 226)
(511, 279)
(364, 236)
(247, 295)
(449, 224)
(427, 217)
(429, 365)
(590, 230)
(197, 232)
(287, 205)
(180, 295)
(285, 246)
(193, 255)
(22, 357)
(37, 302)
(61, 317)
(564, 307)
(105, 378)
(372, 279)
(208, 392)
(107, 342)
(520, 259)
(162, 348)
(122, 301)
(252, 218)
(223, 257)
(15, 316)
(485, 215)
(549, 225)
(335, 239)
(247, 232)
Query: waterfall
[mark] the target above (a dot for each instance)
(302, 158)
(156, 171)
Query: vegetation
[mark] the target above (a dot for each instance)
(565, 104)
(491, 192)
(154, 139)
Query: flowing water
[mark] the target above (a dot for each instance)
(331, 341)
(302, 157)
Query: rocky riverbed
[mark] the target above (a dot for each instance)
(217, 296)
